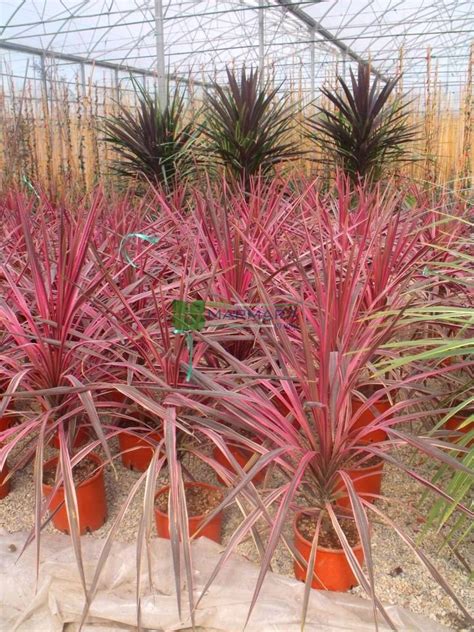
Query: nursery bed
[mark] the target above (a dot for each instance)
(400, 578)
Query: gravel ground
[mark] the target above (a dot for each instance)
(400, 578)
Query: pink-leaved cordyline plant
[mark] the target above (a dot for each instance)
(315, 367)
(57, 339)
(350, 263)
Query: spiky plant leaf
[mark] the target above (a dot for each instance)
(363, 128)
(153, 143)
(248, 126)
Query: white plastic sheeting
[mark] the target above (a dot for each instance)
(58, 602)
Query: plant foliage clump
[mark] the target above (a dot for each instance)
(248, 127)
(154, 143)
(364, 129)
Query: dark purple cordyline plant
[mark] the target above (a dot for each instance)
(248, 126)
(364, 128)
(153, 143)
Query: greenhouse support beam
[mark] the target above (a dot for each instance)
(77, 59)
(312, 66)
(316, 27)
(160, 54)
(117, 85)
(83, 79)
(44, 78)
(261, 41)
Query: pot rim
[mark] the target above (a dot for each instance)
(382, 401)
(81, 422)
(363, 387)
(299, 535)
(141, 437)
(80, 427)
(463, 414)
(365, 468)
(237, 446)
(49, 464)
(201, 484)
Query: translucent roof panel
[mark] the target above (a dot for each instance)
(380, 29)
(296, 41)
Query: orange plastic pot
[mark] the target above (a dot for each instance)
(242, 456)
(212, 530)
(455, 422)
(447, 361)
(114, 397)
(331, 569)
(4, 486)
(282, 406)
(136, 451)
(8, 419)
(80, 439)
(5, 423)
(368, 417)
(91, 500)
(366, 480)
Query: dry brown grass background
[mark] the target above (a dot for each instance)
(49, 134)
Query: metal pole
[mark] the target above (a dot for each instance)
(117, 85)
(312, 65)
(327, 35)
(77, 59)
(44, 78)
(83, 79)
(160, 54)
(261, 41)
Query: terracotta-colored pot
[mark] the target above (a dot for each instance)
(5, 422)
(91, 500)
(8, 419)
(455, 422)
(4, 487)
(242, 456)
(332, 571)
(282, 406)
(212, 530)
(136, 451)
(368, 417)
(80, 439)
(447, 361)
(112, 396)
(366, 480)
